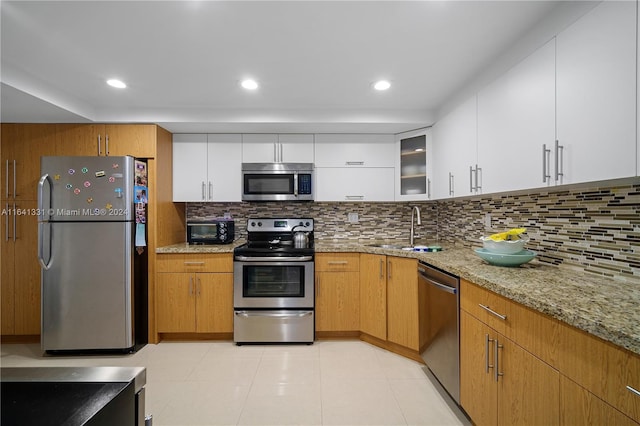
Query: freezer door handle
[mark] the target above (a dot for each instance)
(44, 209)
(42, 239)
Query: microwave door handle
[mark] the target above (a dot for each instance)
(295, 184)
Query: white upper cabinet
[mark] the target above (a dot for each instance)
(296, 148)
(189, 167)
(354, 150)
(354, 167)
(596, 95)
(354, 184)
(413, 165)
(516, 118)
(455, 152)
(206, 167)
(274, 148)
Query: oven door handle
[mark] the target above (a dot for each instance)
(275, 315)
(274, 259)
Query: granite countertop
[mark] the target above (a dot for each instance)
(213, 248)
(601, 306)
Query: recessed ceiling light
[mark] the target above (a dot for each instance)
(249, 84)
(381, 85)
(114, 82)
(419, 149)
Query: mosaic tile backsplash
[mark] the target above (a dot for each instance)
(593, 229)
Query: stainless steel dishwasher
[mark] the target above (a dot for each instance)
(441, 350)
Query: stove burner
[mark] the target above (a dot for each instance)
(274, 237)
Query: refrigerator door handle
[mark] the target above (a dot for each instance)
(41, 242)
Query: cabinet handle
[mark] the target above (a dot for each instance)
(6, 224)
(381, 276)
(14, 222)
(203, 189)
(106, 142)
(194, 263)
(545, 159)
(451, 184)
(355, 163)
(492, 312)
(99, 145)
(199, 286)
(496, 369)
(487, 366)
(478, 180)
(14, 179)
(559, 160)
(6, 180)
(191, 286)
(354, 197)
(210, 190)
(471, 179)
(388, 269)
(634, 391)
(337, 262)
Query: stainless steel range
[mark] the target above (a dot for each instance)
(274, 294)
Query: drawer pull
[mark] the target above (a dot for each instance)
(337, 262)
(194, 263)
(632, 390)
(492, 312)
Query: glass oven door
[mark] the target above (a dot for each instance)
(273, 284)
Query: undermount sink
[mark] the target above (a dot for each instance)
(391, 246)
(406, 248)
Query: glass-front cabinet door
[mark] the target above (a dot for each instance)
(413, 180)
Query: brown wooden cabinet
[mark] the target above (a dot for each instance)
(22, 147)
(20, 286)
(502, 384)
(550, 372)
(337, 292)
(194, 293)
(194, 302)
(403, 317)
(390, 298)
(136, 140)
(373, 295)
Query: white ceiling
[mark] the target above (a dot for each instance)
(315, 61)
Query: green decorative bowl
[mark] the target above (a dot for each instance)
(498, 259)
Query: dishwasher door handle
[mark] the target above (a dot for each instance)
(439, 286)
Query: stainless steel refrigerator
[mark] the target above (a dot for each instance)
(86, 250)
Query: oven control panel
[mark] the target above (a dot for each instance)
(279, 225)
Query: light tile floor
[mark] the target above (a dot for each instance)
(327, 383)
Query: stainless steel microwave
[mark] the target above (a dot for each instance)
(214, 231)
(277, 182)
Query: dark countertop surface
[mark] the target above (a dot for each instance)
(65, 395)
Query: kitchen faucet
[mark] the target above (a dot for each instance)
(414, 210)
